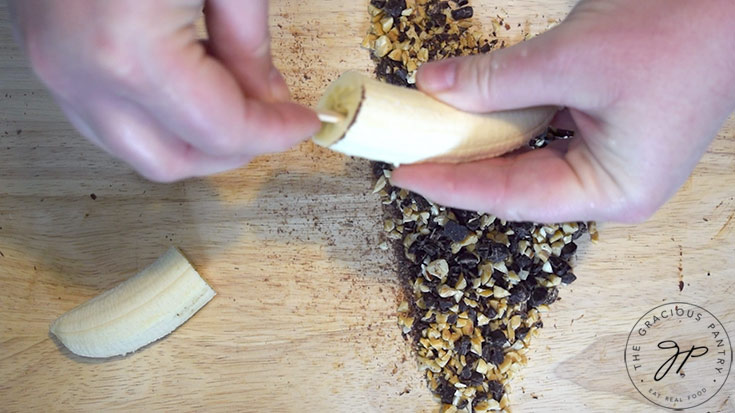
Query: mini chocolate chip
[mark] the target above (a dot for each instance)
(538, 296)
(493, 355)
(492, 251)
(395, 7)
(462, 3)
(495, 338)
(439, 19)
(568, 278)
(421, 202)
(420, 325)
(471, 358)
(495, 389)
(476, 379)
(523, 262)
(568, 250)
(499, 278)
(552, 295)
(521, 333)
(467, 259)
(522, 229)
(559, 266)
(466, 373)
(445, 391)
(455, 231)
(472, 314)
(463, 345)
(402, 74)
(446, 304)
(482, 248)
(479, 398)
(536, 270)
(462, 215)
(463, 13)
(518, 294)
(453, 276)
(581, 231)
(437, 7)
(430, 301)
(409, 227)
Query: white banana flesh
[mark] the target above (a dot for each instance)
(397, 125)
(137, 312)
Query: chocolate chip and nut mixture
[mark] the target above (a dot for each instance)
(404, 34)
(478, 284)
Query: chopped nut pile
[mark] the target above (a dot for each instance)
(406, 33)
(477, 284)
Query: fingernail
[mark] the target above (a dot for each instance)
(278, 86)
(438, 76)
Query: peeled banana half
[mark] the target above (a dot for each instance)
(397, 125)
(141, 310)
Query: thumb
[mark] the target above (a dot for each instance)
(539, 71)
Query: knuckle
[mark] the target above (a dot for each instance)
(117, 59)
(117, 63)
(482, 72)
(106, 54)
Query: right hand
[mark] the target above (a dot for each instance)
(647, 85)
(133, 78)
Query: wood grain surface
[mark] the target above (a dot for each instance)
(305, 316)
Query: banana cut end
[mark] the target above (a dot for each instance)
(139, 311)
(343, 96)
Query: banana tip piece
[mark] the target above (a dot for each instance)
(137, 312)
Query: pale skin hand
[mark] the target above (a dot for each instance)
(647, 85)
(133, 78)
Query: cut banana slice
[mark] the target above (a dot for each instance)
(137, 312)
(401, 126)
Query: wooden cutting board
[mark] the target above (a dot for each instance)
(305, 316)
